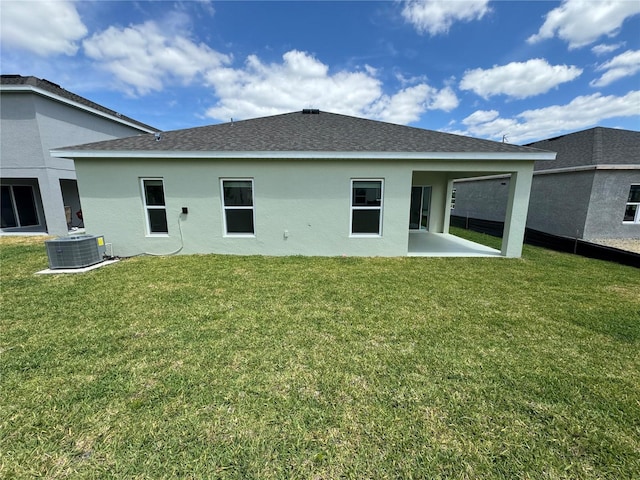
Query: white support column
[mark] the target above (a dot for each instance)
(516, 216)
(447, 206)
(53, 204)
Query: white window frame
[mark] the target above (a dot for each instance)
(627, 203)
(14, 205)
(251, 207)
(154, 207)
(360, 207)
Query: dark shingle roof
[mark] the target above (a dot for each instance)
(56, 89)
(304, 132)
(594, 146)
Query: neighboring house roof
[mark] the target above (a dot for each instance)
(588, 148)
(300, 133)
(19, 83)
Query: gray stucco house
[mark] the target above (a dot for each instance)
(39, 192)
(301, 183)
(591, 191)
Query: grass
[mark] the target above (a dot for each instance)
(320, 368)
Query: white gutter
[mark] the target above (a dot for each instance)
(584, 168)
(53, 96)
(173, 154)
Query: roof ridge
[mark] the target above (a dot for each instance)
(417, 130)
(299, 132)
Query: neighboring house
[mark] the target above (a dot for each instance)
(40, 193)
(306, 183)
(591, 191)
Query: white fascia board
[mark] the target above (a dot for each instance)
(499, 176)
(158, 154)
(585, 168)
(71, 103)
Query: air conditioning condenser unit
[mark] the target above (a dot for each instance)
(77, 251)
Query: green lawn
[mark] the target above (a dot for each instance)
(320, 368)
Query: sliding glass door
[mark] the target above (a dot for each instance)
(419, 210)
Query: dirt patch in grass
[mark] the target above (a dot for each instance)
(628, 244)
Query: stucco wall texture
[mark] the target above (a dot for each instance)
(308, 199)
(311, 202)
(609, 195)
(587, 204)
(582, 194)
(30, 126)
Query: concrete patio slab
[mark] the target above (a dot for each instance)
(427, 244)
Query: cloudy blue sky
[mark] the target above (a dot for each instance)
(526, 70)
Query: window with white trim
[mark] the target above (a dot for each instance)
(237, 204)
(632, 208)
(18, 207)
(155, 206)
(366, 207)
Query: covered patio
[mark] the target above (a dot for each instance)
(428, 244)
(432, 200)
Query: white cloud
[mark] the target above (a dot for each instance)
(408, 104)
(445, 100)
(44, 28)
(207, 5)
(604, 48)
(413, 80)
(481, 116)
(436, 16)
(581, 22)
(144, 57)
(518, 79)
(403, 107)
(301, 80)
(624, 65)
(530, 125)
